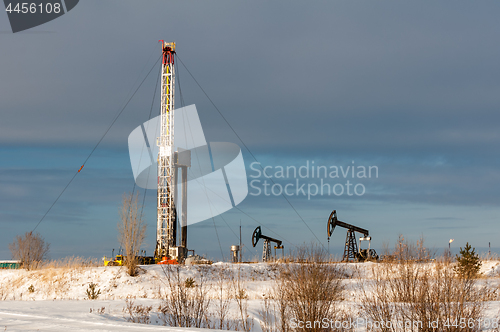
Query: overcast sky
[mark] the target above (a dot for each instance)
(410, 87)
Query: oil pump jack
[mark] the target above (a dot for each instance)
(266, 252)
(351, 251)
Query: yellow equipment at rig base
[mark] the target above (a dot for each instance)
(118, 261)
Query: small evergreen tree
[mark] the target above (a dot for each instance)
(468, 262)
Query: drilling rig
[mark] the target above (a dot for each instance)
(351, 251)
(169, 161)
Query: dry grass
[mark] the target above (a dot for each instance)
(407, 294)
(51, 283)
(489, 257)
(52, 279)
(71, 262)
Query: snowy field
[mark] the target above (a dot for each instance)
(57, 300)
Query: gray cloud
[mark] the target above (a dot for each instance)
(410, 87)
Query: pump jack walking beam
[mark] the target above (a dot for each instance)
(333, 222)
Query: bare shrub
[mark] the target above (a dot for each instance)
(137, 313)
(92, 293)
(189, 283)
(185, 306)
(281, 307)
(309, 290)
(30, 249)
(406, 250)
(411, 296)
(244, 322)
(99, 311)
(312, 288)
(267, 314)
(131, 231)
(224, 290)
(3, 292)
(309, 253)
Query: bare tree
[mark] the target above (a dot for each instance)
(131, 231)
(30, 249)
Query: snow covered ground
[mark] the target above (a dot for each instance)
(114, 283)
(56, 299)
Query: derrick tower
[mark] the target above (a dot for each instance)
(166, 215)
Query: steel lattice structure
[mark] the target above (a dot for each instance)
(266, 252)
(166, 217)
